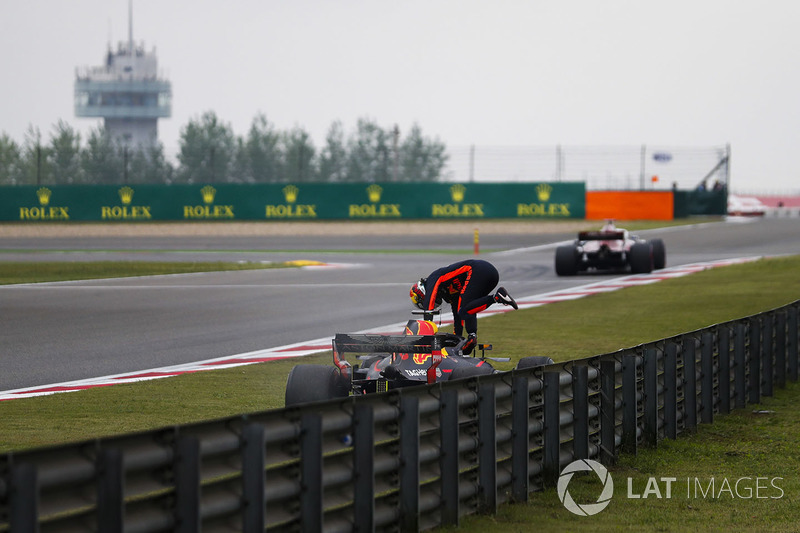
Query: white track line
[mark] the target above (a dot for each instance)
(324, 344)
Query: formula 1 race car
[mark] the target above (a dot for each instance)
(421, 355)
(611, 248)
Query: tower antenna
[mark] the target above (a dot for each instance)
(130, 27)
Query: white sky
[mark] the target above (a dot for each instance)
(685, 73)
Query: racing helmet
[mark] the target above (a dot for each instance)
(417, 293)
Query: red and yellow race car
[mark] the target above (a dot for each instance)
(422, 354)
(611, 248)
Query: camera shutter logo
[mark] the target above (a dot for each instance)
(586, 509)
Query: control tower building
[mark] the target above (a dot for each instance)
(127, 92)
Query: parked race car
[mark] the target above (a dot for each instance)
(421, 355)
(611, 248)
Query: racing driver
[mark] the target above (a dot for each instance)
(467, 286)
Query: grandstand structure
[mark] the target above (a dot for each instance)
(127, 92)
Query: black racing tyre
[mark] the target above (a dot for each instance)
(659, 254)
(469, 371)
(567, 260)
(641, 257)
(313, 383)
(534, 360)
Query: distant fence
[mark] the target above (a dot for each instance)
(416, 457)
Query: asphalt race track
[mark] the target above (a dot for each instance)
(57, 332)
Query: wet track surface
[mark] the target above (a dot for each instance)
(56, 332)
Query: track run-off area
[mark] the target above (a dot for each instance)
(319, 345)
(67, 336)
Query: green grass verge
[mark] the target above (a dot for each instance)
(33, 272)
(741, 445)
(736, 446)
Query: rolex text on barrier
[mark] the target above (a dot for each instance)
(291, 201)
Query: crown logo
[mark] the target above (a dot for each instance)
(208, 193)
(290, 193)
(543, 191)
(457, 192)
(374, 192)
(126, 195)
(44, 195)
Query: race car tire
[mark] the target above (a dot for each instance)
(659, 254)
(313, 383)
(567, 260)
(469, 371)
(641, 257)
(533, 360)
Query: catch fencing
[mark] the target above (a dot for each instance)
(408, 459)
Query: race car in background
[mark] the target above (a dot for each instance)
(611, 248)
(745, 206)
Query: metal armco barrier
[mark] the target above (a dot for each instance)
(408, 459)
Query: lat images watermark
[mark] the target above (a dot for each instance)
(586, 509)
(744, 487)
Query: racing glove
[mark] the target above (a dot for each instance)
(472, 341)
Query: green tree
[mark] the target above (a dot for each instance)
(35, 158)
(421, 159)
(298, 156)
(148, 164)
(369, 154)
(207, 151)
(333, 159)
(100, 159)
(11, 172)
(65, 154)
(262, 156)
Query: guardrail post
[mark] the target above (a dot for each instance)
(520, 439)
(487, 451)
(767, 364)
(409, 463)
(110, 490)
(24, 499)
(740, 360)
(580, 408)
(630, 405)
(187, 484)
(253, 478)
(608, 412)
(755, 361)
(363, 467)
(552, 427)
(448, 462)
(707, 384)
(651, 396)
(791, 344)
(311, 509)
(724, 341)
(671, 390)
(689, 382)
(780, 349)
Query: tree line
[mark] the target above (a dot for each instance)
(210, 152)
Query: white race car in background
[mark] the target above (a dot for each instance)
(745, 206)
(611, 248)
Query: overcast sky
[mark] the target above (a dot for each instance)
(502, 73)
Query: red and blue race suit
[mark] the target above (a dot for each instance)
(467, 286)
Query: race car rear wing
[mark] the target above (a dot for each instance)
(365, 343)
(601, 235)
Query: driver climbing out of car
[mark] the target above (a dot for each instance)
(467, 286)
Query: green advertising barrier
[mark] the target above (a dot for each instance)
(305, 201)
